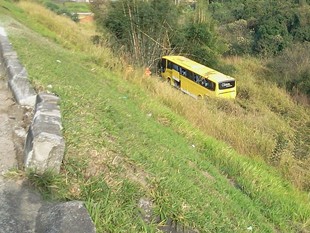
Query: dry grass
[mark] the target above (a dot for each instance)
(71, 35)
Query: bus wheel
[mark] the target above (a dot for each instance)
(199, 97)
(169, 81)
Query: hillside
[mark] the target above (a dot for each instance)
(141, 154)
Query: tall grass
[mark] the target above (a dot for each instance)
(252, 124)
(69, 34)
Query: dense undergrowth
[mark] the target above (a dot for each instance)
(204, 165)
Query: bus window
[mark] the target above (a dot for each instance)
(208, 84)
(190, 75)
(183, 71)
(226, 85)
(197, 78)
(169, 65)
(175, 67)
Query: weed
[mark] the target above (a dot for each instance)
(281, 142)
(49, 184)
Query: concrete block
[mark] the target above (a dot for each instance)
(45, 152)
(47, 98)
(14, 68)
(45, 146)
(65, 217)
(23, 92)
(5, 45)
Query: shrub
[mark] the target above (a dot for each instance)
(62, 11)
(291, 69)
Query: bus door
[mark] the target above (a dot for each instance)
(162, 66)
(175, 75)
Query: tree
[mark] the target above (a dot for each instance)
(272, 25)
(291, 69)
(197, 41)
(271, 36)
(141, 28)
(146, 30)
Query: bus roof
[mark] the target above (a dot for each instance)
(199, 68)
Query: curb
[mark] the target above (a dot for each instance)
(18, 81)
(44, 147)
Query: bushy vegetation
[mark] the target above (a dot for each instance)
(66, 8)
(291, 69)
(146, 30)
(62, 11)
(276, 29)
(204, 166)
(272, 24)
(279, 30)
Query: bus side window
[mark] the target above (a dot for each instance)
(203, 82)
(183, 72)
(190, 75)
(175, 67)
(197, 78)
(209, 84)
(169, 65)
(212, 86)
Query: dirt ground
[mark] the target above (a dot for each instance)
(14, 121)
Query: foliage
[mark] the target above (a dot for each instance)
(62, 11)
(291, 69)
(271, 37)
(202, 36)
(276, 24)
(240, 37)
(269, 28)
(140, 28)
(146, 30)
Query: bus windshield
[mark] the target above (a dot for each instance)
(226, 84)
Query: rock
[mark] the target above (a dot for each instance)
(45, 146)
(64, 218)
(17, 75)
(19, 207)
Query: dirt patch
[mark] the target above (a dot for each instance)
(14, 122)
(87, 19)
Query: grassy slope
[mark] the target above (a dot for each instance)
(123, 144)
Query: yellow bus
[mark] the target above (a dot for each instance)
(196, 79)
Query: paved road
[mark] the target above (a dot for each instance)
(19, 204)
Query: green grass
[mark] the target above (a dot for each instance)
(123, 143)
(77, 7)
(73, 7)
